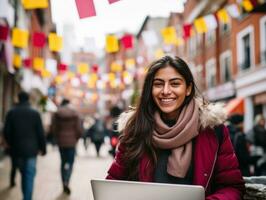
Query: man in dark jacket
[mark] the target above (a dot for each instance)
(66, 125)
(24, 134)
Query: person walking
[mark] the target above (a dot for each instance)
(24, 134)
(169, 137)
(66, 125)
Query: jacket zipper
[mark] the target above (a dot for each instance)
(212, 169)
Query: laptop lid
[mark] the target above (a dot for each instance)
(130, 190)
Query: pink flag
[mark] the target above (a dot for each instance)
(113, 1)
(86, 8)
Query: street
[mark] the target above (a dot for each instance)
(48, 185)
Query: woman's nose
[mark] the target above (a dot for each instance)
(166, 89)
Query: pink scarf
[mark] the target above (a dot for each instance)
(178, 138)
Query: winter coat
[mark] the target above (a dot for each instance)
(66, 126)
(215, 166)
(23, 131)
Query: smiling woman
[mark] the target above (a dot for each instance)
(170, 137)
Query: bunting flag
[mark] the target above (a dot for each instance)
(169, 35)
(210, 21)
(94, 68)
(58, 79)
(27, 63)
(62, 67)
(130, 63)
(45, 73)
(127, 41)
(38, 64)
(55, 42)
(38, 39)
(85, 8)
(150, 38)
(51, 65)
(111, 44)
(111, 76)
(4, 32)
(17, 61)
(179, 41)
(247, 5)
(113, 1)
(20, 38)
(200, 25)
(115, 67)
(223, 16)
(83, 68)
(233, 10)
(34, 4)
(187, 31)
(159, 53)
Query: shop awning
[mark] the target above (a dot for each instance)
(234, 106)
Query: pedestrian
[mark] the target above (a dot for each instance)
(169, 136)
(66, 125)
(241, 146)
(24, 134)
(97, 133)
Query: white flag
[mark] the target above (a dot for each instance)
(210, 21)
(233, 10)
(51, 65)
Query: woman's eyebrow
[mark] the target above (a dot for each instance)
(172, 79)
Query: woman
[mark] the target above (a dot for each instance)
(169, 137)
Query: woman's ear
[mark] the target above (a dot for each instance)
(189, 88)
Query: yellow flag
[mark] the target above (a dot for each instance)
(83, 68)
(94, 77)
(200, 25)
(58, 79)
(115, 67)
(130, 63)
(91, 84)
(111, 76)
(70, 75)
(45, 73)
(111, 44)
(223, 16)
(159, 53)
(20, 38)
(38, 64)
(33, 4)
(17, 61)
(55, 42)
(169, 35)
(247, 5)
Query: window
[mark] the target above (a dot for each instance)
(263, 39)
(225, 27)
(192, 48)
(225, 61)
(210, 37)
(211, 73)
(245, 48)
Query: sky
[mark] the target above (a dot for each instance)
(124, 15)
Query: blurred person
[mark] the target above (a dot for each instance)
(67, 127)
(241, 146)
(233, 120)
(97, 133)
(24, 134)
(169, 137)
(259, 132)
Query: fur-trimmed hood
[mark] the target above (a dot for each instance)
(211, 114)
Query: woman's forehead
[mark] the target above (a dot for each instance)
(168, 72)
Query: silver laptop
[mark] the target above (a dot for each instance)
(129, 190)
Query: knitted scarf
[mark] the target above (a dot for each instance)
(178, 138)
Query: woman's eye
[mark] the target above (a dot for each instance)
(175, 84)
(158, 84)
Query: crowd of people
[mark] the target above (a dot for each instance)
(173, 135)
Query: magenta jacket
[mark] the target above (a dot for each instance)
(215, 168)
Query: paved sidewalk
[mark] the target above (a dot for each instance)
(48, 182)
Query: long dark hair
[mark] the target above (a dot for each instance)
(137, 136)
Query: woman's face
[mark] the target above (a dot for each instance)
(169, 91)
